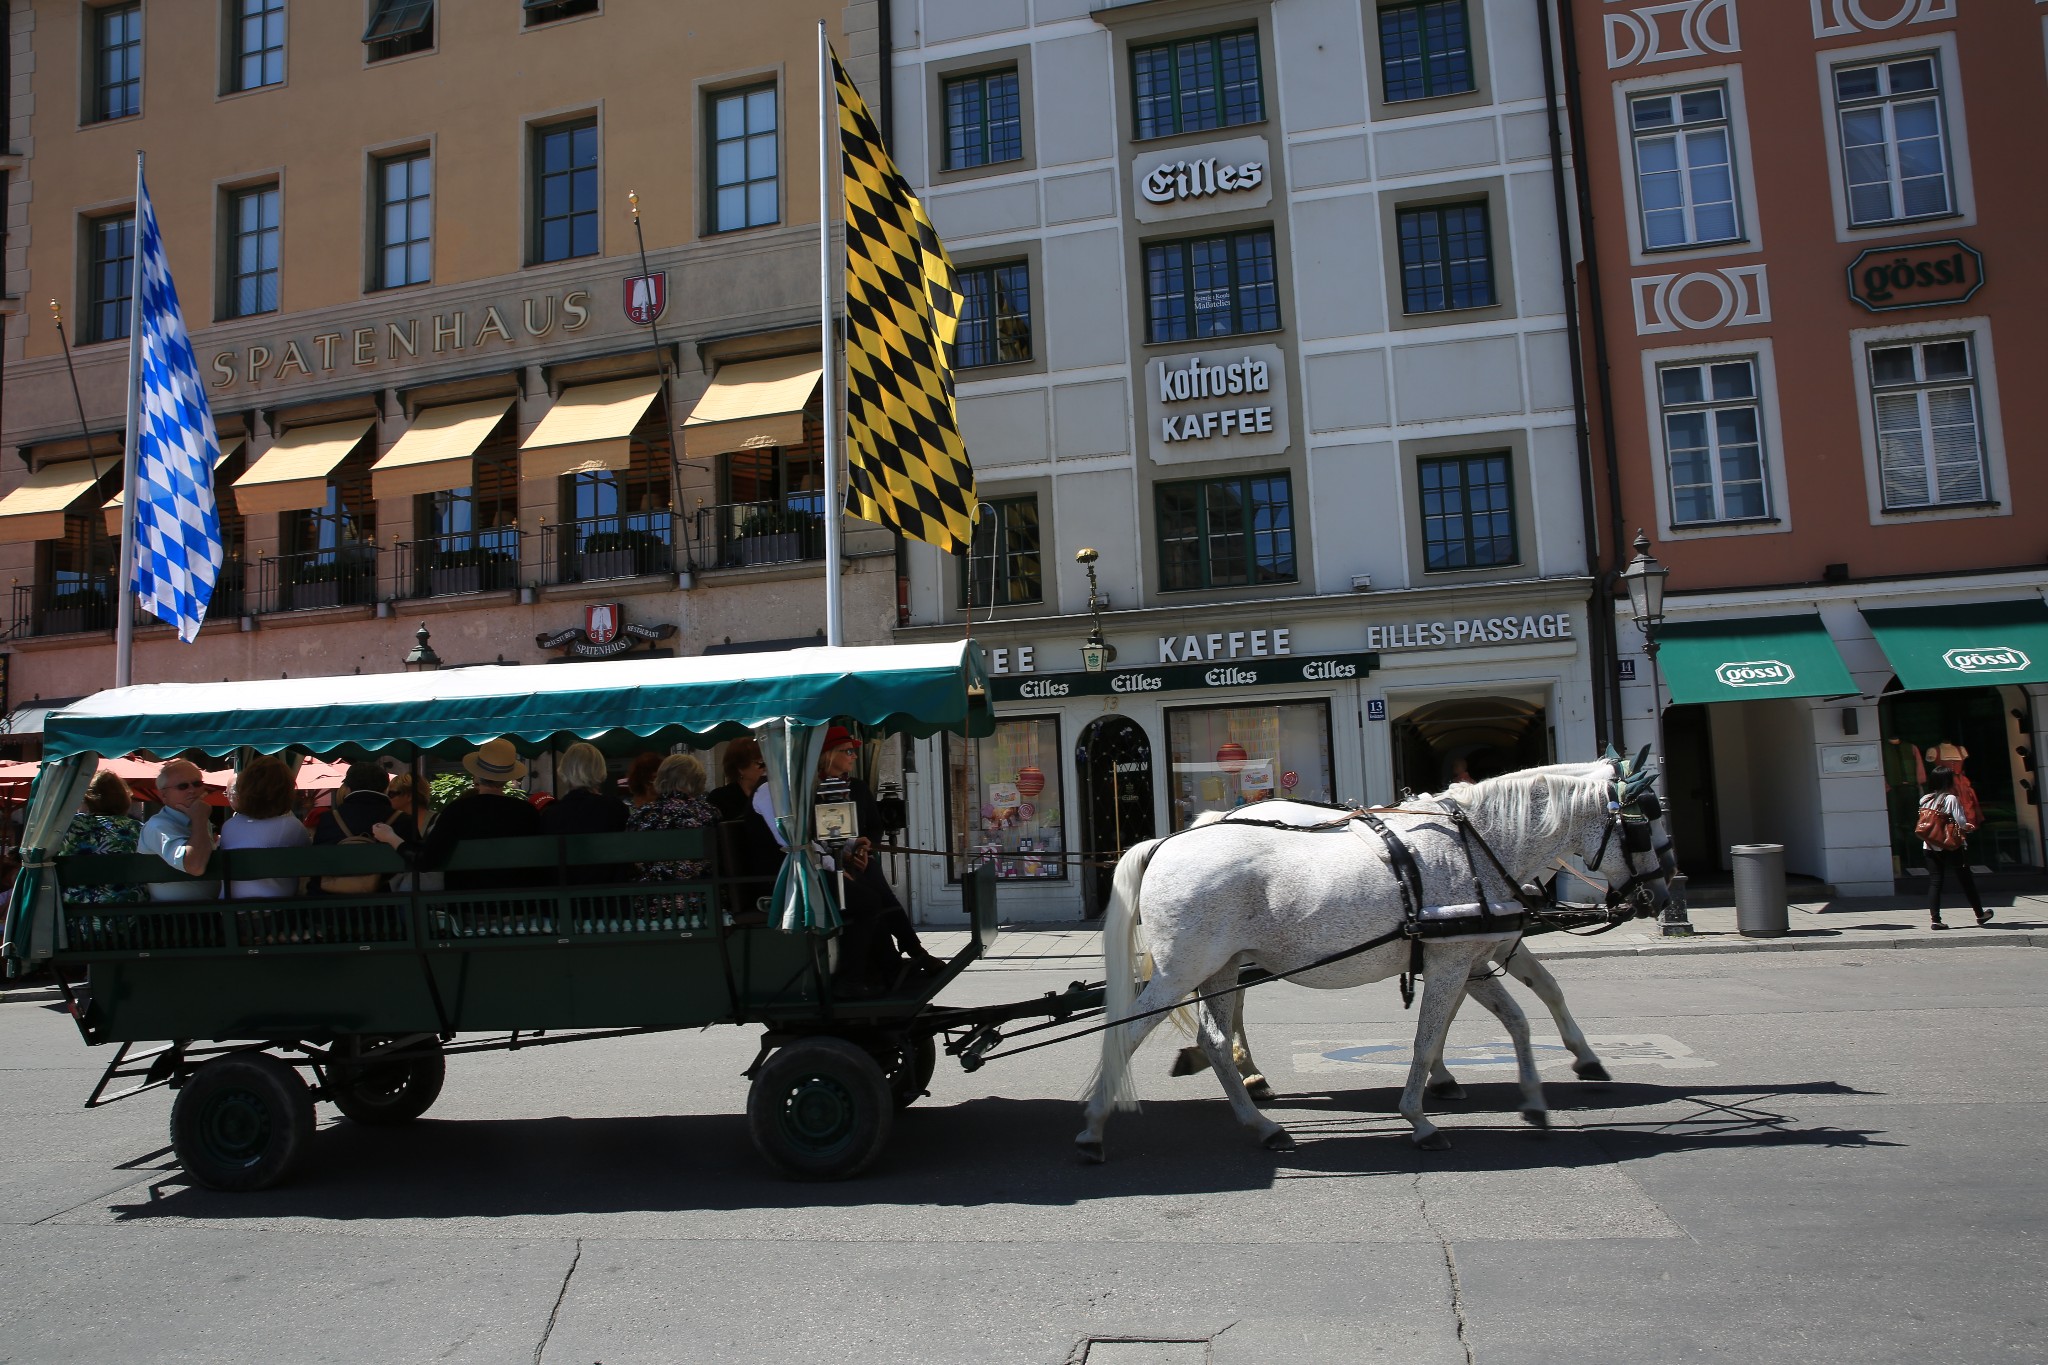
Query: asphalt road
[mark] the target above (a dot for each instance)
(1813, 1157)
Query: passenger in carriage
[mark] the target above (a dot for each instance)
(875, 920)
(485, 813)
(359, 803)
(181, 833)
(585, 807)
(678, 804)
(746, 773)
(104, 826)
(262, 798)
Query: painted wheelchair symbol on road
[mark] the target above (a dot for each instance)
(1336, 1056)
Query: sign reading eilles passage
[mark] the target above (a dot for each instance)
(1755, 673)
(1988, 659)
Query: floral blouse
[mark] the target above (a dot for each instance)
(90, 833)
(673, 812)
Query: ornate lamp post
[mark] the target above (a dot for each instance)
(1644, 577)
(1095, 653)
(421, 658)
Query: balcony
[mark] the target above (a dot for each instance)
(73, 608)
(345, 576)
(596, 549)
(457, 565)
(738, 535)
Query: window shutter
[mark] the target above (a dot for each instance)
(1901, 450)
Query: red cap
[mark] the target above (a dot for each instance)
(839, 737)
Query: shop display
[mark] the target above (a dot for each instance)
(1015, 820)
(1224, 757)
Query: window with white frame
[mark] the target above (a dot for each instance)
(1930, 436)
(1895, 162)
(1685, 167)
(1713, 442)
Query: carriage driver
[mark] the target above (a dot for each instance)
(874, 917)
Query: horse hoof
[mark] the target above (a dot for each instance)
(1590, 1071)
(1279, 1141)
(1189, 1061)
(1536, 1118)
(1432, 1142)
(1260, 1092)
(1089, 1152)
(1447, 1090)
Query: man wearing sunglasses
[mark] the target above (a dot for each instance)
(181, 833)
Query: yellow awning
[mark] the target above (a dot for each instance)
(113, 508)
(435, 453)
(589, 427)
(750, 404)
(35, 509)
(292, 475)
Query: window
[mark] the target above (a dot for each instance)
(1003, 568)
(473, 532)
(565, 191)
(743, 159)
(79, 589)
(398, 27)
(1224, 533)
(1894, 147)
(116, 61)
(995, 317)
(1425, 50)
(252, 279)
(984, 120)
(110, 277)
(405, 220)
(1468, 512)
(1930, 444)
(1446, 258)
(1004, 802)
(1713, 442)
(1197, 84)
(1223, 757)
(330, 551)
(1211, 286)
(619, 522)
(258, 41)
(547, 11)
(1685, 169)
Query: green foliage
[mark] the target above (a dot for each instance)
(445, 787)
(778, 521)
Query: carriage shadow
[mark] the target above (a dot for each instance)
(979, 1153)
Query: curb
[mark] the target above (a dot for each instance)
(1697, 945)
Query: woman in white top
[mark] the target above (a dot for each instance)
(263, 819)
(1941, 796)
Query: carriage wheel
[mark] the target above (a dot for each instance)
(907, 1064)
(820, 1109)
(242, 1122)
(384, 1094)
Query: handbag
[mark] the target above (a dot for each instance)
(352, 883)
(1935, 829)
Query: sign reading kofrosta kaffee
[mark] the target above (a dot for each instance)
(1217, 404)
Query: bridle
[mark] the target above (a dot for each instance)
(1632, 812)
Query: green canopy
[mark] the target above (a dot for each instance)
(919, 689)
(1964, 644)
(1745, 658)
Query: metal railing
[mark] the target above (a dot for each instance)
(75, 608)
(344, 576)
(457, 564)
(738, 535)
(593, 549)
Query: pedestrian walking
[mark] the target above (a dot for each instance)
(1944, 833)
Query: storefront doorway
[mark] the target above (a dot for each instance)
(1971, 730)
(1113, 760)
(1468, 739)
(1689, 794)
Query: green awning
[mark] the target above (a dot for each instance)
(1747, 658)
(1964, 644)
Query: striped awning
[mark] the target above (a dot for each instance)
(292, 475)
(590, 427)
(752, 404)
(437, 451)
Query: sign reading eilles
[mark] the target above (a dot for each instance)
(1987, 659)
(604, 633)
(647, 298)
(1755, 673)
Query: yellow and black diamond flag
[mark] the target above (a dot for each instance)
(906, 464)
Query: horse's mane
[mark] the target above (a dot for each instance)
(1543, 800)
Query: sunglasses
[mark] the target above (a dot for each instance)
(181, 786)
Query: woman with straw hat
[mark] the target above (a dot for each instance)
(485, 813)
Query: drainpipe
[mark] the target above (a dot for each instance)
(1602, 604)
(1589, 516)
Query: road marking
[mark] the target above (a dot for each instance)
(1336, 1056)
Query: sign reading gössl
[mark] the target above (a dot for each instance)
(1987, 659)
(1217, 405)
(1924, 275)
(1755, 673)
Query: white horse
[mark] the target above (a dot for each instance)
(1231, 894)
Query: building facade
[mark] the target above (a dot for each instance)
(1810, 228)
(1267, 312)
(447, 387)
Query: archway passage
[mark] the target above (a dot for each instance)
(1113, 760)
(1975, 731)
(1465, 739)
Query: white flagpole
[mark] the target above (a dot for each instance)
(828, 385)
(124, 588)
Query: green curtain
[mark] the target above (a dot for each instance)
(802, 902)
(33, 924)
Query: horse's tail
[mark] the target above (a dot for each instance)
(1122, 947)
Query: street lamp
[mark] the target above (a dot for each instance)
(1644, 577)
(1095, 653)
(421, 658)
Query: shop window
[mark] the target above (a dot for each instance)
(1446, 258)
(984, 119)
(565, 191)
(1005, 805)
(1197, 84)
(1425, 50)
(1003, 568)
(744, 159)
(995, 315)
(398, 27)
(1685, 167)
(1930, 441)
(1223, 757)
(1468, 511)
(116, 61)
(1221, 533)
(1211, 286)
(258, 38)
(1895, 162)
(1713, 442)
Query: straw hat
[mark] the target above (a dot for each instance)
(497, 761)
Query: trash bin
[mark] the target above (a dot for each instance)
(1759, 890)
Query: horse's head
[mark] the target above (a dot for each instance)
(1632, 834)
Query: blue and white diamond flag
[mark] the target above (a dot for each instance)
(177, 522)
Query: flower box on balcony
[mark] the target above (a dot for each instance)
(771, 549)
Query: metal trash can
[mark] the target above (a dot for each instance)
(1760, 890)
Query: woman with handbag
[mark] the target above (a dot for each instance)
(1944, 835)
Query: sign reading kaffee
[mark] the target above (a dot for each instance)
(1216, 177)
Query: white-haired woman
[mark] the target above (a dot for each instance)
(678, 804)
(584, 805)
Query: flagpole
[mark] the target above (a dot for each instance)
(124, 594)
(828, 385)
